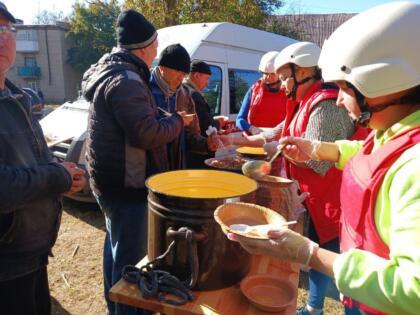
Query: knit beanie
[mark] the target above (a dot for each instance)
(175, 57)
(6, 13)
(134, 30)
(200, 66)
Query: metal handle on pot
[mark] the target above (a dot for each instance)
(191, 237)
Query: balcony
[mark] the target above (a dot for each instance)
(29, 72)
(25, 46)
(27, 41)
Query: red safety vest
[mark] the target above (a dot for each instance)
(267, 109)
(362, 178)
(323, 202)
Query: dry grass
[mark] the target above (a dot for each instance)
(75, 273)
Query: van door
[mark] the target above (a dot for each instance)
(216, 92)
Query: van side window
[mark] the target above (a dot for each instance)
(213, 91)
(239, 83)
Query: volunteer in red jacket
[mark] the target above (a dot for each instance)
(314, 116)
(378, 71)
(264, 105)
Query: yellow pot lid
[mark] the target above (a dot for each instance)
(251, 150)
(206, 184)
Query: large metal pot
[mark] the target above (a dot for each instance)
(181, 207)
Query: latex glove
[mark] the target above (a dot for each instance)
(214, 143)
(227, 140)
(271, 148)
(299, 149)
(296, 201)
(254, 130)
(283, 244)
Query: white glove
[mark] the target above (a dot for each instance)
(254, 130)
(213, 140)
(300, 149)
(271, 148)
(227, 140)
(295, 201)
(283, 244)
(211, 131)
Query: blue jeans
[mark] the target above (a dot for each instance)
(125, 243)
(319, 282)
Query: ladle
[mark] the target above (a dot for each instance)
(258, 169)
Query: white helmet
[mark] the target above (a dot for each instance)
(302, 54)
(376, 51)
(267, 62)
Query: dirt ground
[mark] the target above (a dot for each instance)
(75, 271)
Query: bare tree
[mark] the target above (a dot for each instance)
(50, 17)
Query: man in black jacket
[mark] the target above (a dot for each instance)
(171, 95)
(31, 185)
(196, 82)
(126, 143)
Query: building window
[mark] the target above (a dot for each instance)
(239, 83)
(213, 91)
(30, 61)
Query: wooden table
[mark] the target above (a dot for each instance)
(228, 301)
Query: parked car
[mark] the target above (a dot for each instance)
(65, 132)
(233, 53)
(37, 102)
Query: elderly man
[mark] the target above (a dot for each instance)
(31, 185)
(171, 95)
(196, 82)
(126, 143)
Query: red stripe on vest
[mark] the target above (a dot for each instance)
(323, 202)
(362, 179)
(267, 109)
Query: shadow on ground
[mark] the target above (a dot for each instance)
(57, 309)
(85, 211)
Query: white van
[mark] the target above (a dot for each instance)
(233, 53)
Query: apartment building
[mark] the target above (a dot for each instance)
(41, 62)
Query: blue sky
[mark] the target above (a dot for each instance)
(325, 6)
(28, 9)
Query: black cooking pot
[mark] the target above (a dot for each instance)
(181, 206)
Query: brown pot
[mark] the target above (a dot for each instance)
(187, 199)
(273, 193)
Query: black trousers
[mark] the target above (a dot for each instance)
(27, 295)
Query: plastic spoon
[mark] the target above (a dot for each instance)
(258, 229)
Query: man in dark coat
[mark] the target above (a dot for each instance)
(31, 185)
(172, 96)
(196, 82)
(127, 142)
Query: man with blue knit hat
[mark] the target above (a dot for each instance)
(127, 142)
(172, 96)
